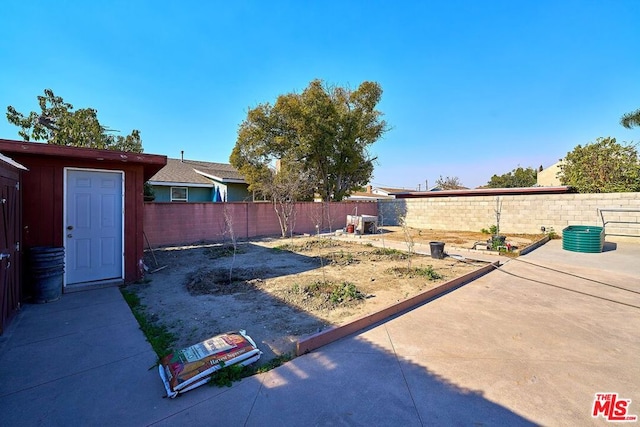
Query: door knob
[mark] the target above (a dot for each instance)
(69, 235)
(70, 227)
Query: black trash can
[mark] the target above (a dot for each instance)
(47, 271)
(437, 250)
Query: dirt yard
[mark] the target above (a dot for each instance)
(280, 290)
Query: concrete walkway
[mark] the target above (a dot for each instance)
(527, 344)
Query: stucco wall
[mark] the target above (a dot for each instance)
(519, 213)
(181, 223)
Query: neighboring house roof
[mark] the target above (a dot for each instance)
(453, 187)
(388, 190)
(196, 173)
(363, 195)
(549, 177)
(370, 193)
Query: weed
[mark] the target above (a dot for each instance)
(428, 272)
(342, 257)
(333, 293)
(316, 288)
(308, 245)
(223, 251)
(273, 363)
(227, 375)
(392, 253)
(158, 335)
(345, 292)
(485, 231)
(493, 230)
(387, 251)
(410, 272)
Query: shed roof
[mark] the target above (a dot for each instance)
(151, 163)
(10, 161)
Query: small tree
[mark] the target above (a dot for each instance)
(449, 183)
(401, 214)
(285, 187)
(498, 212)
(602, 167)
(316, 214)
(228, 222)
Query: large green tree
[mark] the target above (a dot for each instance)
(326, 131)
(57, 123)
(519, 177)
(604, 166)
(631, 119)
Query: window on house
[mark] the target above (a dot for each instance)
(179, 194)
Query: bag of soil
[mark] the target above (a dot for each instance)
(193, 366)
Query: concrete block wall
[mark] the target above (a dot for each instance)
(519, 213)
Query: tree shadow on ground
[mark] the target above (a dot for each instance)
(357, 382)
(224, 293)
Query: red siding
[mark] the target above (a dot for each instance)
(43, 192)
(43, 205)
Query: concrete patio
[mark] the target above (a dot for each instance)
(528, 344)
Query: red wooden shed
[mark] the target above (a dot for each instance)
(89, 202)
(10, 226)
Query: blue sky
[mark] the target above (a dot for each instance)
(471, 88)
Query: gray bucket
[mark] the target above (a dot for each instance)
(437, 250)
(47, 271)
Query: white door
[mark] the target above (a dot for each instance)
(93, 226)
